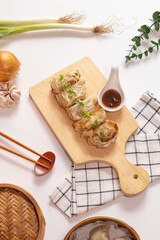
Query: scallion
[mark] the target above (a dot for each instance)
(80, 102)
(101, 133)
(9, 27)
(71, 91)
(96, 124)
(102, 29)
(61, 78)
(73, 18)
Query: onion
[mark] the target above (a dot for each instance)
(9, 66)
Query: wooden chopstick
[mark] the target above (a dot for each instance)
(20, 155)
(22, 145)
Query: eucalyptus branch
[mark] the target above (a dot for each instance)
(145, 30)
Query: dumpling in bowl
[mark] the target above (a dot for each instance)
(124, 238)
(83, 108)
(59, 82)
(94, 121)
(100, 233)
(103, 136)
(70, 95)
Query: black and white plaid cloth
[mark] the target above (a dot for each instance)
(94, 184)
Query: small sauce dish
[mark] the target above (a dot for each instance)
(111, 97)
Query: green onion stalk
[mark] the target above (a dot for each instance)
(101, 29)
(68, 22)
(73, 18)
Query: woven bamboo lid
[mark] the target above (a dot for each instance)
(20, 215)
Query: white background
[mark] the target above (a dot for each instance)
(44, 53)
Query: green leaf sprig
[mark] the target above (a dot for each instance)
(145, 31)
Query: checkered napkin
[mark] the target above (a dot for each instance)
(94, 184)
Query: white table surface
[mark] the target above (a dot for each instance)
(44, 53)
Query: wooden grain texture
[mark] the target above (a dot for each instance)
(20, 215)
(132, 179)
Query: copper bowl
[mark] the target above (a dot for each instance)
(94, 219)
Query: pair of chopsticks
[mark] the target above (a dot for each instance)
(20, 155)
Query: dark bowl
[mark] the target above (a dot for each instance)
(94, 219)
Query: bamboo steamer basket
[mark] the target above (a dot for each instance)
(94, 219)
(20, 215)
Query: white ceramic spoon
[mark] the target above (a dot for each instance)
(112, 83)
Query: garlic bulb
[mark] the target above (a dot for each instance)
(9, 95)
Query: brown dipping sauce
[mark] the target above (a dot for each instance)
(111, 98)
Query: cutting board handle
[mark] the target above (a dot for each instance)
(132, 179)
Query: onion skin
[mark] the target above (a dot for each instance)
(9, 66)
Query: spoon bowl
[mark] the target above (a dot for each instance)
(113, 83)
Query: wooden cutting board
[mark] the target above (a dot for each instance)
(132, 179)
